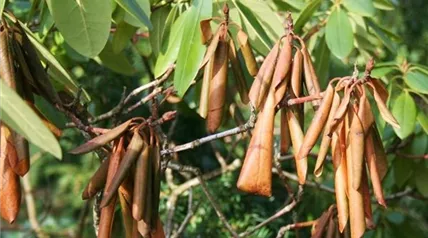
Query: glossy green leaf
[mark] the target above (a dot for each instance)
(384, 68)
(85, 24)
(170, 46)
(15, 113)
(117, 62)
(159, 19)
(361, 7)
(122, 36)
(423, 120)
(322, 59)
(380, 33)
(268, 19)
(306, 14)
(421, 178)
(404, 110)
(56, 71)
(383, 5)
(339, 36)
(138, 10)
(191, 50)
(417, 80)
(259, 39)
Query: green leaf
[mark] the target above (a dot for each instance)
(171, 46)
(384, 68)
(289, 5)
(268, 19)
(383, 5)
(423, 120)
(251, 25)
(159, 20)
(380, 33)
(339, 36)
(139, 12)
(417, 80)
(322, 60)
(306, 14)
(117, 62)
(361, 7)
(2, 4)
(85, 24)
(57, 72)
(122, 35)
(402, 171)
(404, 110)
(191, 50)
(15, 113)
(421, 178)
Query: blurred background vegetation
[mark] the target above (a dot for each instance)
(397, 33)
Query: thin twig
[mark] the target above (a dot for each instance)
(184, 168)
(298, 225)
(275, 216)
(190, 213)
(190, 145)
(31, 207)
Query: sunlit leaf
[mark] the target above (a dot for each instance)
(339, 36)
(380, 33)
(361, 7)
(417, 80)
(306, 14)
(15, 113)
(404, 110)
(423, 120)
(85, 24)
(170, 46)
(383, 5)
(191, 49)
(258, 36)
(139, 12)
(158, 19)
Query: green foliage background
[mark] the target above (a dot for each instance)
(103, 62)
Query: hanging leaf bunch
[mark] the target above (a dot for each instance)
(131, 176)
(22, 72)
(220, 51)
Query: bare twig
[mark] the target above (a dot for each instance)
(243, 128)
(298, 225)
(190, 213)
(184, 168)
(31, 207)
(275, 216)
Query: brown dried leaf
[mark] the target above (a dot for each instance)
(97, 181)
(241, 84)
(356, 140)
(133, 150)
(340, 176)
(142, 168)
(297, 136)
(356, 202)
(206, 32)
(262, 81)
(383, 109)
(285, 132)
(245, 47)
(107, 213)
(326, 139)
(377, 165)
(256, 173)
(284, 62)
(101, 140)
(205, 90)
(296, 74)
(317, 124)
(217, 92)
(213, 45)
